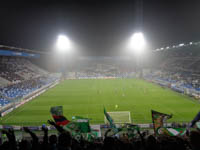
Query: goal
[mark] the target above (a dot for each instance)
(119, 117)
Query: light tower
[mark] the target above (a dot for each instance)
(63, 49)
(137, 42)
(137, 47)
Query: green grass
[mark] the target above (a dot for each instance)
(87, 97)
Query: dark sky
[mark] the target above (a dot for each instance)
(99, 27)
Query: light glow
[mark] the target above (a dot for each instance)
(63, 43)
(137, 42)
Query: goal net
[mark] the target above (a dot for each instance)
(119, 117)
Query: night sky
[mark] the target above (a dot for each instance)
(99, 27)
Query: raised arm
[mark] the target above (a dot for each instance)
(58, 128)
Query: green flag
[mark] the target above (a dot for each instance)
(158, 119)
(83, 123)
(110, 120)
(171, 131)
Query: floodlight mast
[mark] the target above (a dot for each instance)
(137, 46)
(63, 48)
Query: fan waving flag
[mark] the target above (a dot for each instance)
(77, 125)
(57, 113)
(110, 120)
(158, 119)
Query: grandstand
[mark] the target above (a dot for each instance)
(178, 68)
(19, 77)
(101, 67)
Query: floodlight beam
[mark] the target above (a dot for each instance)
(63, 43)
(137, 42)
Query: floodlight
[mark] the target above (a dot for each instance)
(137, 41)
(63, 43)
(191, 43)
(182, 44)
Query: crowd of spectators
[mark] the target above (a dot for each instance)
(8, 69)
(184, 79)
(64, 141)
(16, 70)
(181, 65)
(22, 88)
(16, 91)
(99, 74)
(20, 77)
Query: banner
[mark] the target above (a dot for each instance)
(171, 131)
(158, 119)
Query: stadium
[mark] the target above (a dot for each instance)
(110, 82)
(129, 96)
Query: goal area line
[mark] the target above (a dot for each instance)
(119, 117)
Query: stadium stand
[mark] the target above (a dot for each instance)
(179, 69)
(19, 77)
(101, 67)
(4, 81)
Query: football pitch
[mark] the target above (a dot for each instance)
(88, 97)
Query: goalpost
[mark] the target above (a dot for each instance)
(119, 117)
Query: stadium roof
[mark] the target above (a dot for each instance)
(181, 45)
(98, 27)
(12, 48)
